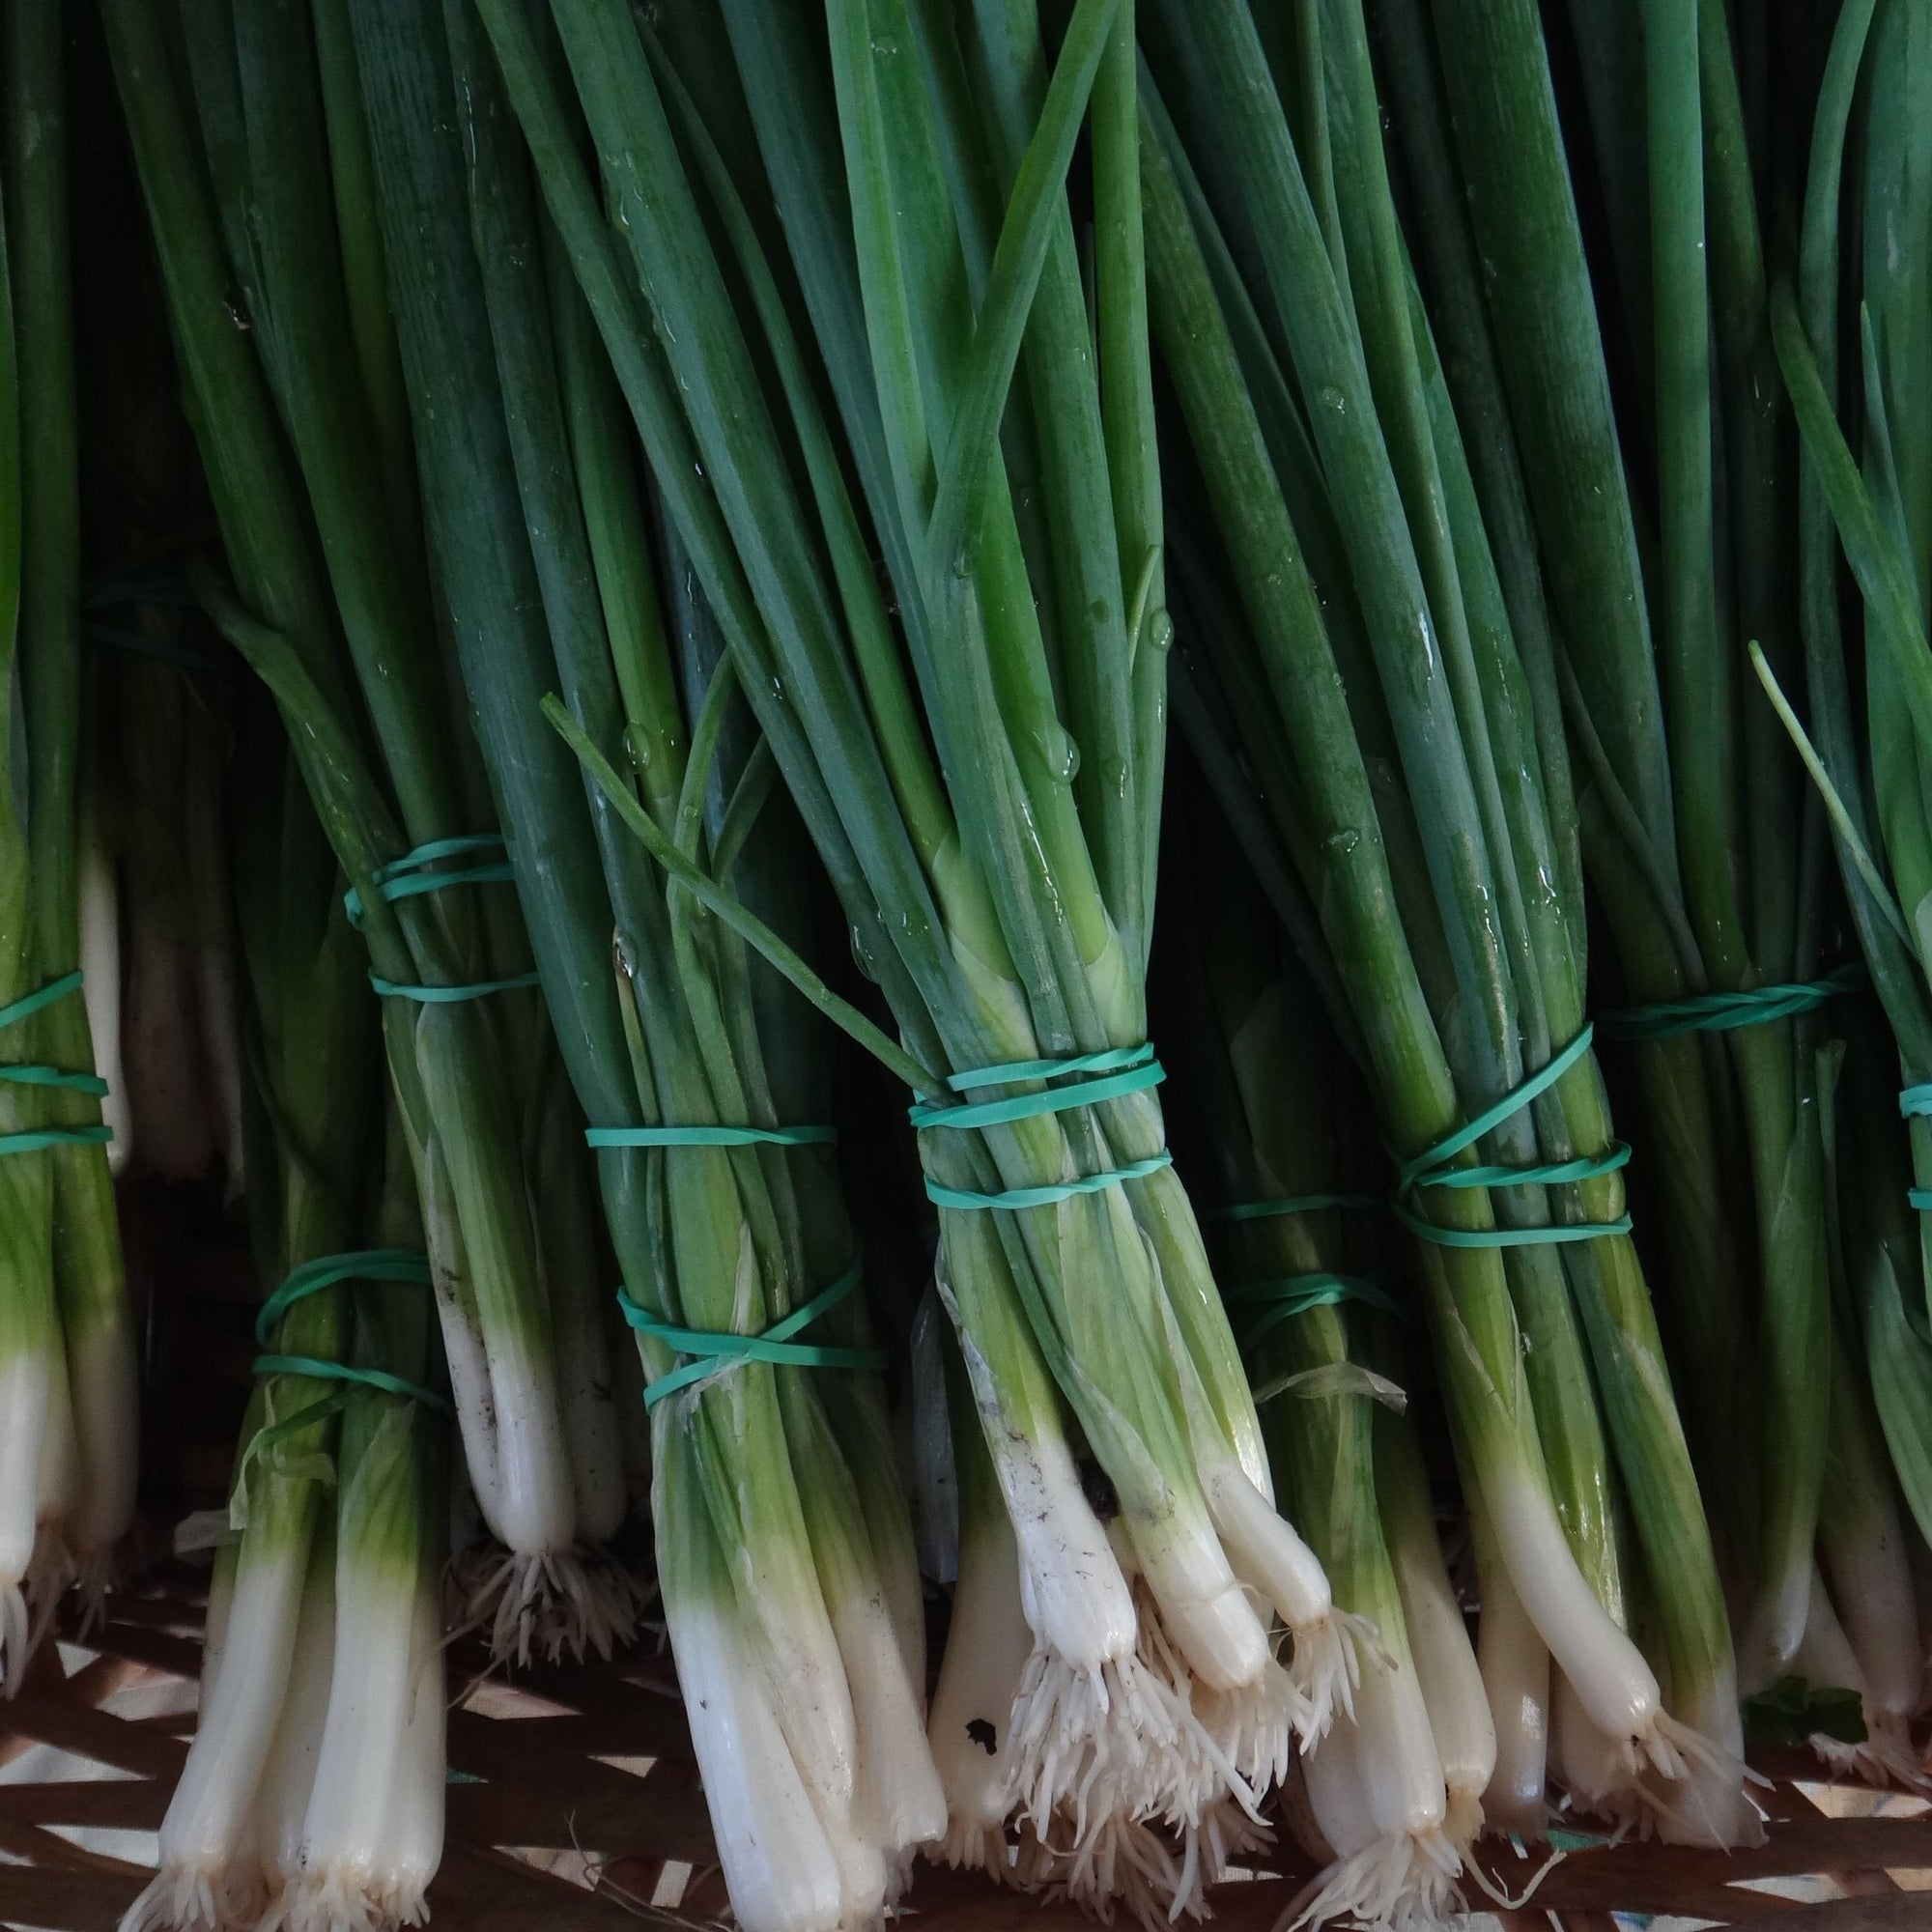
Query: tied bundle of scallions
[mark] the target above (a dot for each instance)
(312, 1794)
(1399, 1790)
(1692, 817)
(249, 136)
(1367, 678)
(784, 1553)
(1866, 501)
(986, 799)
(68, 1364)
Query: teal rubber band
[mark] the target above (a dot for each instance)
(1016, 1198)
(29, 1003)
(55, 1076)
(38, 1140)
(449, 996)
(1416, 1172)
(1721, 1012)
(1544, 1173)
(1281, 1300)
(405, 878)
(326, 1271)
(1434, 1168)
(1915, 1104)
(346, 1372)
(1296, 1203)
(709, 1136)
(713, 1348)
(90, 1084)
(1554, 1236)
(1126, 1069)
(1108, 1060)
(1048, 1100)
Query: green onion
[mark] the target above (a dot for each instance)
(1428, 864)
(331, 607)
(988, 821)
(68, 1461)
(313, 1788)
(1869, 111)
(785, 1556)
(1732, 807)
(1396, 1788)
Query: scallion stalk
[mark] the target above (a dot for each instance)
(66, 1486)
(1270, 1093)
(990, 858)
(313, 1789)
(331, 607)
(1430, 876)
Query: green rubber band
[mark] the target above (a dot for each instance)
(405, 878)
(1127, 1069)
(709, 1136)
(55, 1076)
(714, 1350)
(1433, 1169)
(449, 996)
(407, 1264)
(347, 1372)
(1282, 1299)
(90, 1084)
(1554, 1236)
(1915, 1103)
(326, 1271)
(1544, 1173)
(1016, 1198)
(29, 1003)
(1721, 1012)
(1414, 1174)
(1107, 1060)
(1296, 1203)
(38, 1140)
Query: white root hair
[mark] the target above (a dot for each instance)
(554, 1604)
(1406, 1884)
(1885, 1758)
(344, 1899)
(202, 1896)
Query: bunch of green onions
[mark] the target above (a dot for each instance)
(987, 803)
(785, 1551)
(1865, 498)
(253, 151)
(690, 477)
(1387, 736)
(312, 1794)
(67, 1357)
(1399, 1790)
(1693, 814)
